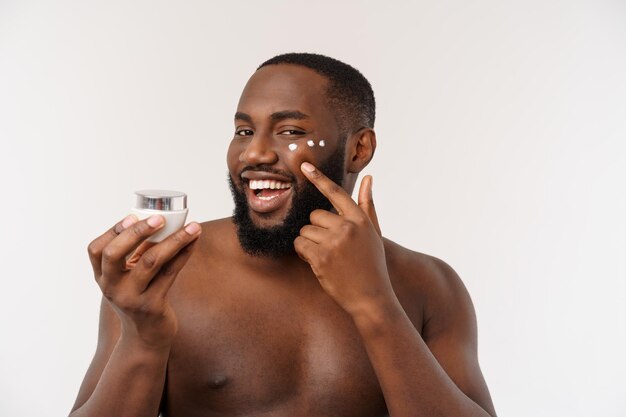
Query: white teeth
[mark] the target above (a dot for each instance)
(267, 198)
(271, 184)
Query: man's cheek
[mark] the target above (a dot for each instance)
(232, 157)
(309, 150)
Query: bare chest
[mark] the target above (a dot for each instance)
(251, 347)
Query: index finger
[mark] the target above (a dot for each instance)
(338, 197)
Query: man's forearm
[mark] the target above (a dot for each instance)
(412, 381)
(131, 384)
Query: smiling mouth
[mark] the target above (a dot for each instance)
(267, 195)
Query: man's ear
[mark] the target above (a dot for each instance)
(360, 149)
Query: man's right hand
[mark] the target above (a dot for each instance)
(139, 295)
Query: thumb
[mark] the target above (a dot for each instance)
(366, 201)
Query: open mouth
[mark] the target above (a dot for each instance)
(267, 195)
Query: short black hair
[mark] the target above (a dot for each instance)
(348, 91)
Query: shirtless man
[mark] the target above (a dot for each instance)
(295, 306)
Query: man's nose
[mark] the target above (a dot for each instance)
(260, 150)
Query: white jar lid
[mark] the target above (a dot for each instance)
(164, 200)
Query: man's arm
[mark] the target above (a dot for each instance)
(137, 323)
(123, 379)
(439, 374)
(346, 253)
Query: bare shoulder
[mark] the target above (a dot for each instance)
(448, 318)
(421, 273)
(427, 281)
(214, 230)
(218, 235)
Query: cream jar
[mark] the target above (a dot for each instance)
(172, 205)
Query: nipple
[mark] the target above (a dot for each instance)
(218, 381)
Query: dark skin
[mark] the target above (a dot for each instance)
(351, 324)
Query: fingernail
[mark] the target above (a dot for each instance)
(192, 228)
(128, 220)
(308, 167)
(155, 220)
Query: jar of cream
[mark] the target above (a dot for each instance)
(172, 205)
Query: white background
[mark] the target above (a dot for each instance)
(501, 129)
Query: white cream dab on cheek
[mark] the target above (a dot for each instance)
(310, 143)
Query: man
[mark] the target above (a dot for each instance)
(295, 306)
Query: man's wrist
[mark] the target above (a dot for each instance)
(376, 318)
(132, 342)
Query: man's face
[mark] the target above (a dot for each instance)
(281, 105)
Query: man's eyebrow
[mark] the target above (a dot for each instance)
(243, 116)
(276, 116)
(288, 114)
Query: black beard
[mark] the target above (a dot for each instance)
(276, 241)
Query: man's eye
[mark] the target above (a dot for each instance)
(244, 132)
(292, 132)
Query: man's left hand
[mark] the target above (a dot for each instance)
(345, 250)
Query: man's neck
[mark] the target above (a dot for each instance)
(279, 266)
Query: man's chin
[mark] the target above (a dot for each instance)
(265, 234)
(266, 221)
